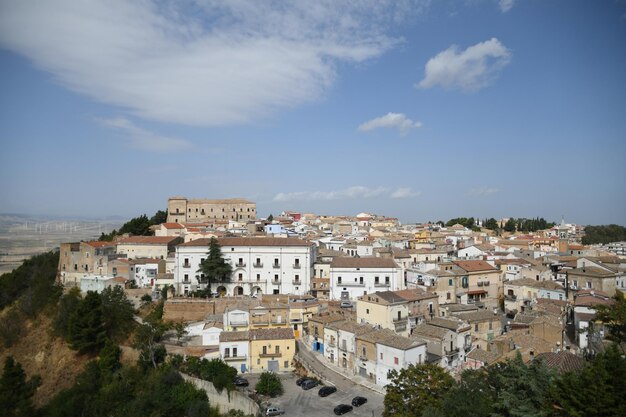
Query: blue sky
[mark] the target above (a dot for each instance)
(423, 110)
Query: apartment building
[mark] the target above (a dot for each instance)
(353, 277)
(262, 265)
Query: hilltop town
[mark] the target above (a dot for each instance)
(360, 296)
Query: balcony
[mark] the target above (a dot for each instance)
(257, 265)
(187, 265)
(296, 282)
(276, 281)
(240, 265)
(238, 322)
(235, 358)
(276, 266)
(400, 320)
(510, 297)
(351, 284)
(452, 352)
(343, 348)
(332, 344)
(363, 358)
(382, 284)
(270, 355)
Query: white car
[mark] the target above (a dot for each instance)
(274, 411)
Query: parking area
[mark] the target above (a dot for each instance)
(298, 402)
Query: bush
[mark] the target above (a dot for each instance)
(269, 384)
(216, 371)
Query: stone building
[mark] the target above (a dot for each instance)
(183, 210)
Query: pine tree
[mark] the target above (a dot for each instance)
(15, 392)
(214, 267)
(86, 328)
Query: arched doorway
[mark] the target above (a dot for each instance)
(256, 291)
(238, 290)
(221, 290)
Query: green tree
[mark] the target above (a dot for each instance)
(491, 224)
(15, 392)
(415, 388)
(214, 267)
(269, 384)
(148, 340)
(109, 359)
(270, 218)
(87, 332)
(11, 326)
(614, 318)
(597, 390)
(159, 217)
(470, 397)
(604, 234)
(179, 327)
(117, 313)
(510, 225)
(68, 304)
(518, 389)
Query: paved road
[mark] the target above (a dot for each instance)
(298, 402)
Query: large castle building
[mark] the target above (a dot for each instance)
(183, 210)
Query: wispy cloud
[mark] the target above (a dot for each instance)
(506, 5)
(482, 191)
(207, 63)
(468, 70)
(397, 121)
(355, 192)
(144, 139)
(404, 192)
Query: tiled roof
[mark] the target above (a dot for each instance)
(350, 327)
(474, 266)
(281, 333)
(451, 324)
(251, 241)
(562, 361)
(172, 225)
(148, 240)
(234, 336)
(401, 342)
(483, 356)
(363, 263)
(429, 331)
(99, 244)
(415, 294)
(478, 316)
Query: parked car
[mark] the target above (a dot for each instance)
(358, 401)
(342, 409)
(274, 411)
(241, 382)
(326, 391)
(299, 381)
(308, 384)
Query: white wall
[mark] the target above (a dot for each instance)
(351, 282)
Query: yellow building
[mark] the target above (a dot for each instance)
(272, 350)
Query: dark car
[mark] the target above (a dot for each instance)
(308, 384)
(241, 382)
(358, 401)
(342, 409)
(326, 391)
(299, 381)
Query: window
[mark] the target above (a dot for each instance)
(258, 361)
(367, 311)
(338, 280)
(286, 364)
(275, 277)
(395, 361)
(277, 350)
(376, 280)
(226, 352)
(240, 276)
(258, 277)
(490, 325)
(297, 277)
(386, 280)
(361, 280)
(264, 350)
(476, 327)
(235, 352)
(186, 279)
(381, 356)
(447, 296)
(450, 282)
(419, 358)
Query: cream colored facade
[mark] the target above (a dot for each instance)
(183, 210)
(384, 309)
(272, 350)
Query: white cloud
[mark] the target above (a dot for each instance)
(506, 5)
(404, 192)
(393, 121)
(357, 191)
(143, 139)
(204, 62)
(469, 70)
(482, 191)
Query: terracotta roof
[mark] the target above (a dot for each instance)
(476, 292)
(389, 297)
(415, 294)
(99, 244)
(529, 282)
(451, 324)
(376, 335)
(280, 333)
(250, 241)
(326, 318)
(350, 327)
(483, 356)
(234, 336)
(591, 271)
(148, 240)
(478, 316)
(562, 361)
(474, 266)
(172, 225)
(363, 263)
(427, 330)
(401, 342)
